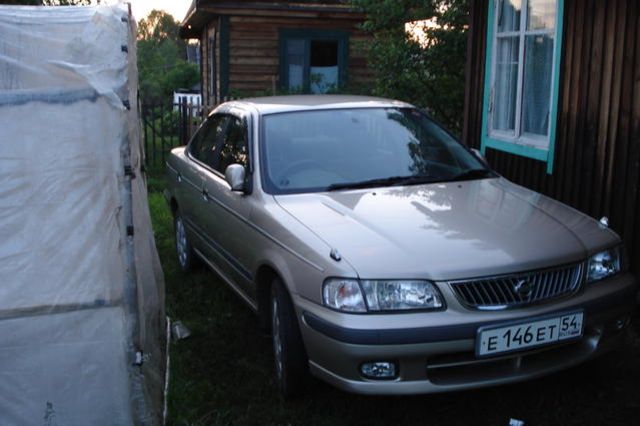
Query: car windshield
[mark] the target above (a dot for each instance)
(324, 150)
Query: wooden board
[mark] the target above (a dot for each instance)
(254, 49)
(597, 155)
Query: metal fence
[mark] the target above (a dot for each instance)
(166, 126)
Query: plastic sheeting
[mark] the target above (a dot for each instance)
(82, 324)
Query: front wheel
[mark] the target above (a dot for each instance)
(289, 354)
(186, 258)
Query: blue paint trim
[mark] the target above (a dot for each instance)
(546, 156)
(556, 86)
(512, 148)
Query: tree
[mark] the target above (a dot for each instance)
(161, 58)
(159, 26)
(427, 72)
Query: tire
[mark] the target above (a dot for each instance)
(290, 356)
(184, 251)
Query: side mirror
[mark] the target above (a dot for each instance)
(479, 156)
(234, 175)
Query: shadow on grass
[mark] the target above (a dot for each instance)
(222, 374)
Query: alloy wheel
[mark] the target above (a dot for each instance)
(277, 340)
(181, 243)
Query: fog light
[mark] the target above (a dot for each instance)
(378, 370)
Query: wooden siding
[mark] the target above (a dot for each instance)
(254, 55)
(597, 154)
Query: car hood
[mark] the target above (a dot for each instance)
(448, 231)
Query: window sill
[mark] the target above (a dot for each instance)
(517, 149)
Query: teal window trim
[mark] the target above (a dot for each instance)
(342, 37)
(546, 156)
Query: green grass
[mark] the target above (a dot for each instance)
(222, 373)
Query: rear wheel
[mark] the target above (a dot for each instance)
(186, 257)
(291, 363)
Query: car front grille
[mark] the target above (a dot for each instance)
(517, 290)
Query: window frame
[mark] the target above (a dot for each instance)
(262, 163)
(285, 34)
(190, 147)
(523, 144)
(244, 118)
(243, 123)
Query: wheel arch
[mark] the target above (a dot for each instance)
(264, 277)
(173, 205)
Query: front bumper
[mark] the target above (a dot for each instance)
(440, 356)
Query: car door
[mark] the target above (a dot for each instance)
(227, 224)
(201, 155)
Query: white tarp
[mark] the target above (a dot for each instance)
(82, 325)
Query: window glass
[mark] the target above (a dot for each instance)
(505, 90)
(323, 66)
(541, 14)
(312, 62)
(309, 150)
(234, 149)
(536, 96)
(295, 61)
(509, 15)
(523, 61)
(205, 145)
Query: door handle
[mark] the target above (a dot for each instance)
(205, 194)
(179, 177)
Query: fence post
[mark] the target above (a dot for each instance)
(184, 136)
(190, 118)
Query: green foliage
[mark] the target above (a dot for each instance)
(161, 58)
(428, 73)
(159, 26)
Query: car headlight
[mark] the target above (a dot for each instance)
(381, 295)
(401, 295)
(343, 295)
(604, 264)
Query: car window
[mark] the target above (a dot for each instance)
(310, 151)
(234, 148)
(205, 145)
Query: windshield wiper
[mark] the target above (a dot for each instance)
(473, 174)
(390, 181)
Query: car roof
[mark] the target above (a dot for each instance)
(277, 104)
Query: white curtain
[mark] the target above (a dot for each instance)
(537, 84)
(506, 83)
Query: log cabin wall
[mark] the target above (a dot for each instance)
(597, 150)
(210, 71)
(242, 50)
(254, 50)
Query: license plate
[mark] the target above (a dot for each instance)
(503, 338)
